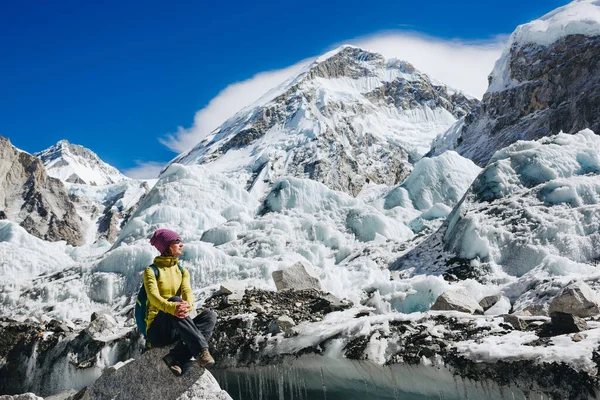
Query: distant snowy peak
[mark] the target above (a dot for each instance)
(349, 118)
(77, 164)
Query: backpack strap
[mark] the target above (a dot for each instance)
(153, 267)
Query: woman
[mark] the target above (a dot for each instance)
(170, 300)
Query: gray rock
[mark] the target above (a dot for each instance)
(104, 325)
(516, 322)
(537, 309)
(299, 276)
(282, 324)
(556, 90)
(24, 396)
(149, 378)
(577, 299)
(563, 323)
(489, 301)
(456, 300)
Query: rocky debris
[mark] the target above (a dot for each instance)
(517, 323)
(148, 377)
(39, 203)
(577, 299)
(456, 300)
(24, 396)
(557, 91)
(563, 323)
(299, 276)
(239, 324)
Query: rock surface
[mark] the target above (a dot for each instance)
(39, 203)
(148, 377)
(577, 299)
(299, 276)
(557, 89)
(456, 300)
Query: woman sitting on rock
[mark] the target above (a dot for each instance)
(170, 300)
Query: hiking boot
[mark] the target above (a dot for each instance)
(173, 367)
(205, 360)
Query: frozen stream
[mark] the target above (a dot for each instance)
(319, 378)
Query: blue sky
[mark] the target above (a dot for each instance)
(117, 76)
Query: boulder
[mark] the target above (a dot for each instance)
(516, 322)
(282, 324)
(149, 378)
(489, 301)
(102, 326)
(540, 309)
(234, 290)
(563, 323)
(456, 300)
(577, 299)
(299, 276)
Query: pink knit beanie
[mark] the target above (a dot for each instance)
(162, 238)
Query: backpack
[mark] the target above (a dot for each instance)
(141, 303)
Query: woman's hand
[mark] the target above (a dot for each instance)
(182, 310)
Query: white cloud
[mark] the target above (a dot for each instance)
(224, 106)
(459, 64)
(144, 170)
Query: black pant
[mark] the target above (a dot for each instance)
(193, 334)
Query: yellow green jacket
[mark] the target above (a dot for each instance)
(170, 283)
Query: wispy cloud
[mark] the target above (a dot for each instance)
(145, 170)
(462, 65)
(229, 101)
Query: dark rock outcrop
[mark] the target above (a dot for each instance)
(147, 377)
(558, 90)
(36, 201)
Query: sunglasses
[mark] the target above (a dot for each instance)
(176, 241)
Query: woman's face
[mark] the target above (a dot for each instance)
(176, 248)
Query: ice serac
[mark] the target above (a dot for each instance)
(530, 221)
(546, 81)
(76, 164)
(37, 202)
(349, 118)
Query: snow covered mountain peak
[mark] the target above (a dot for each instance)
(76, 164)
(349, 118)
(580, 17)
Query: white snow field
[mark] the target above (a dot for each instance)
(228, 234)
